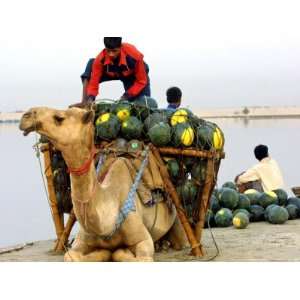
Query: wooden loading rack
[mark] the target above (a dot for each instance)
(194, 233)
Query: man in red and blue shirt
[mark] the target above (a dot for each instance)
(118, 61)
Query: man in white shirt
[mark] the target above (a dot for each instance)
(266, 172)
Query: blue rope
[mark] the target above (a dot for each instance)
(129, 204)
(100, 163)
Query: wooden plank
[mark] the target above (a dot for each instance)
(209, 184)
(56, 216)
(192, 152)
(196, 251)
(63, 240)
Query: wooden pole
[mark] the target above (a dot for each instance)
(192, 152)
(196, 251)
(56, 216)
(62, 242)
(206, 193)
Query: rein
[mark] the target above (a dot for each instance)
(85, 166)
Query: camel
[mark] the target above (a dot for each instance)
(97, 205)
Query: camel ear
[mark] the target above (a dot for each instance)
(88, 117)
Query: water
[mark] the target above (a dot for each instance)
(24, 210)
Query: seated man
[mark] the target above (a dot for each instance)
(174, 95)
(118, 61)
(266, 172)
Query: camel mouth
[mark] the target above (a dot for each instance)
(26, 131)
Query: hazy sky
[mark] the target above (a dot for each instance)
(220, 53)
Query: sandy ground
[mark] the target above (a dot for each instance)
(259, 242)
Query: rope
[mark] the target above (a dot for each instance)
(129, 204)
(155, 218)
(215, 242)
(38, 155)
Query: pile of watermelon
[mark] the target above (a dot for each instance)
(229, 207)
(161, 127)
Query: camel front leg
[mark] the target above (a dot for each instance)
(137, 237)
(142, 252)
(93, 256)
(81, 251)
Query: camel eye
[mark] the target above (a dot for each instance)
(58, 120)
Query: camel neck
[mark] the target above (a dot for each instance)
(82, 184)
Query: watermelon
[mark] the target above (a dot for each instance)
(123, 110)
(132, 146)
(57, 161)
(153, 119)
(218, 138)
(132, 128)
(257, 213)
(214, 204)
(67, 203)
(181, 115)
(294, 200)
(267, 198)
(58, 177)
(209, 136)
(266, 214)
(253, 196)
(173, 168)
(293, 211)
(223, 217)
(241, 210)
(204, 136)
(107, 126)
(189, 162)
(240, 220)
(143, 106)
(183, 135)
(198, 171)
(230, 184)
(104, 106)
(282, 196)
(189, 191)
(160, 134)
(121, 144)
(244, 202)
(229, 198)
(215, 193)
(278, 215)
(59, 200)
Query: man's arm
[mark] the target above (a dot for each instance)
(141, 80)
(249, 175)
(93, 85)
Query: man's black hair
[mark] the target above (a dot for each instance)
(261, 151)
(173, 94)
(112, 42)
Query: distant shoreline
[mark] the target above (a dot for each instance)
(246, 112)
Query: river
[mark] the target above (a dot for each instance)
(24, 210)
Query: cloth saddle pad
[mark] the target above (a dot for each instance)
(152, 181)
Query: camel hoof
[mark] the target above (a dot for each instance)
(71, 256)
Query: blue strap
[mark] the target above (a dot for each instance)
(129, 204)
(100, 163)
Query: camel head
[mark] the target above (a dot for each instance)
(66, 129)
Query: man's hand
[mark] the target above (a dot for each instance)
(83, 105)
(124, 97)
(88, 103)
(237, 177)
